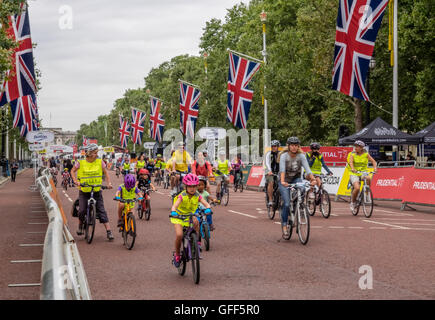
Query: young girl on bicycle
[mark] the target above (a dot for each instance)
(185, 203)
(201, 190)
(126, 191)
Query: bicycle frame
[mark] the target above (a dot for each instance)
(187, 231)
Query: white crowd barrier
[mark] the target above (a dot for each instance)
(62, 276)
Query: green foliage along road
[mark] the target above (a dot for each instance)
(300, 45)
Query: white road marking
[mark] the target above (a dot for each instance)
(412, 223)
(355, 227)
(336, 227)
(430, 220)
(380, 228)
(243, 214)
(386, 224)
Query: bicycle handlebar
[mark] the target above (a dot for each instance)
(93, 186)
(126, 200)
(184, 216)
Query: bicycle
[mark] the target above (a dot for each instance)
(65, 181)
(204, 228)
(298, 214)
(238, 183)
(166, 181)
(118, 171)
(158, 178)
(128, 230)
(179, 186)
(321, 199)
(271, 210)
(224, 195)
(53, 172)
(144, 207)
(190, 249)
(91, 213)
(365, 193)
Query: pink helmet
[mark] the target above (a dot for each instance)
(191, 180)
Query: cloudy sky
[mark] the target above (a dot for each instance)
(90, 51)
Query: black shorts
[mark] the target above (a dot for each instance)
(83, 203)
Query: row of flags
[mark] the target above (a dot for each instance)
(20, 89)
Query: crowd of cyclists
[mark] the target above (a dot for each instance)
(189, 181)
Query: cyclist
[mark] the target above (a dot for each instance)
(202, 167)
(144, 181)
(126, 191)
(316, 162)
(358, 161)
(271, 167)
(66, 176)
(158, 166)
(236, 165)
(140, 164)
(222, 167)
(291, 162)
(185, 203)
(180, 163)
(125, 164)
(206, 195)
(91, 170)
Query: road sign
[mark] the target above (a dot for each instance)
(36, 147)
(149, 145)
(40, 136)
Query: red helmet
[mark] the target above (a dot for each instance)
(191, 180)
(144, 171)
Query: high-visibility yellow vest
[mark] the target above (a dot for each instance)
(222, 167)
(91, 173)
(316, 168)
(360, 162)
(189, 204)
(140, 164)
(128, 194)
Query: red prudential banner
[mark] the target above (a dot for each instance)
(332, 154)
(390, 183)
(255, 176)
(420, 187)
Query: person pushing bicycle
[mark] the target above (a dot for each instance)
(90, 171)
(357, 161)
(186, 203)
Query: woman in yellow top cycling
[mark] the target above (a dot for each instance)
(185, 203)
(358, 161)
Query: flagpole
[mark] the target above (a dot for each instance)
(395, 70)
(263, 18)
(245, 56)
(190, 84)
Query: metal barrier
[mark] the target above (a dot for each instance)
(62, 276)
(425, 164)
(395, 164)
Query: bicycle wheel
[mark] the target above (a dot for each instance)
(205, 234)
(357, 204)
(183, 262)
(310, 202)
(225, 197)
(303, 223)
(140, 210)
(241, 186)
(195, 258)
(90, 223)
(325, 204)
(130, 231)
(367, 202)
(148, 210)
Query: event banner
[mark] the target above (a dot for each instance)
(332, 154)
(420, 186)
(389, 183)
(344, 189)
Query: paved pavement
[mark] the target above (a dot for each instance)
(247, 260)
(22, 232)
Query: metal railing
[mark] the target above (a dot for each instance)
(62, 275)
(395, 164)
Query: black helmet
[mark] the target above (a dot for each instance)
(275, 143)
(293, 140)
(314, 145)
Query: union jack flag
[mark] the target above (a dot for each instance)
(124, 131)
(157, 122)
(137, 125)
(22, 75)
(239, 99)
(189, 108)
(25, 114)
(358, 23)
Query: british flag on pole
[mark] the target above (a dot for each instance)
(189, 108)
(22, 75)
(124, 131)
(240, 96)
(358, 23)
(157, 122)
(137, 125)
(25, 114)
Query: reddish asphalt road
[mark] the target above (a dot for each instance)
(248, 259)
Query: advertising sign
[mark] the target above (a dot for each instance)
(40, 136)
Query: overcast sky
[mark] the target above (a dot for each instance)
(108, 46)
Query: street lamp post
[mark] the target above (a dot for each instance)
(263, 18)
(372, 65)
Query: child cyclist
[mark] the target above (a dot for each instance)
(185, 203)
(201, 190)
(126, 191)
(144, 183)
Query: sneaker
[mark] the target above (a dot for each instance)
(176, 261)
(110, 235)
(81, 228)
(270, 204)
(352, 206)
